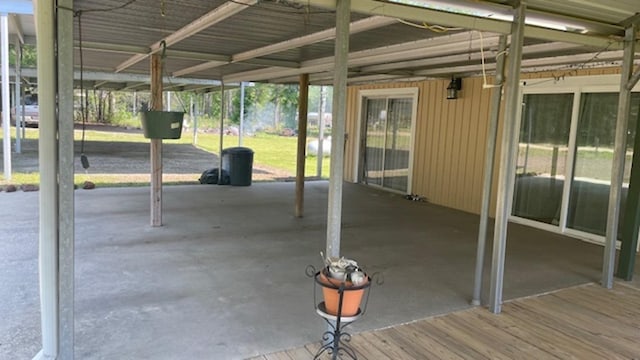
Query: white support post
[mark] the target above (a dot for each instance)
(194, 121)
(6, 127)
(320, 157)
(507, 160)
(619, 154)
(241, 130)
(17, 95)
(334, 213)
(221, 145)
(66, 219)
(156, 144)
(135, 103)
(48, 160)
(496, 101)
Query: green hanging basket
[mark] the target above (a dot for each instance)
(162, 124)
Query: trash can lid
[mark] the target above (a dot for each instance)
(237, 150)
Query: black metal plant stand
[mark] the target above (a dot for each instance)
(336, 340)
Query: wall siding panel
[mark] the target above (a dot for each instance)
(450, 138)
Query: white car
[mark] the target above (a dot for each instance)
(31, 112)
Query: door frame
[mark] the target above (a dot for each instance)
(393, 93)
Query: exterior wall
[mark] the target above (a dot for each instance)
(450, 138)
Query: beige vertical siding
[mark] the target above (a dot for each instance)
(450, 138)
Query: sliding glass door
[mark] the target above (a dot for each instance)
(542, 157)
(569, 136)
(591, 181)
(387, 142)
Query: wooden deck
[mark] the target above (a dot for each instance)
(583, 322)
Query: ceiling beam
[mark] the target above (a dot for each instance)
(211, 18)
(355, 27)
(434, 61)
(106, 76)
(547, 61)
(407, 12)
(432, 47)
(328, 34)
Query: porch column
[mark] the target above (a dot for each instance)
(66, 218)
(48, 160)
(334, 213)
(496, 100)
(303, 107)
(241, 127)
(507, 163)
(221, 144)
(619, 154)
(626, 262)
(17, 94)
(4, 60)
(156, 144)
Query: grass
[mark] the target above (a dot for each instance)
(272, 151)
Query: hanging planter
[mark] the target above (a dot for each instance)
(162, 124)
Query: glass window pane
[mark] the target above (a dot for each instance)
(542, 156)
(396, 161)
(589, 198)
(375, 118)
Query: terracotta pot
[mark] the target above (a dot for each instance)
(351, 299)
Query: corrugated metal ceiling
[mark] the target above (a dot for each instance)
(134, 28)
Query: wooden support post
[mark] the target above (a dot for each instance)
(156, 144)
(303, 107)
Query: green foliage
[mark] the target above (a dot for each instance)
(29, 58)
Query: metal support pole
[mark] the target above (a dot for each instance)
(4, 60)
(66, 220)
(156, 144)
(507, 160)
(619, 154)
(48, 166)
(320, 156)
(492, 137)
(17, 95)
(168, 100)
(303, 107)
(334, 213)
(222, 108)
(241, 130)
(627, 258)
(135, 103)
(192, 118)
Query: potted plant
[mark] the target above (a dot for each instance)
(342, 277)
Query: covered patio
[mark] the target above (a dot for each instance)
(224, 277)
(318, 42)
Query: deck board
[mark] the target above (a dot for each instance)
(582, 322)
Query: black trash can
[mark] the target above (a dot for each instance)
(238, 162)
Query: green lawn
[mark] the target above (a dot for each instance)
(276, 152)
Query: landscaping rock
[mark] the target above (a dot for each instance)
(10, 188)
(88, 185)
(29, 187)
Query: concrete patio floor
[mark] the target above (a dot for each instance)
(224, 278)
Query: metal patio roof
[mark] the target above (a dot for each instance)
(276, 40)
